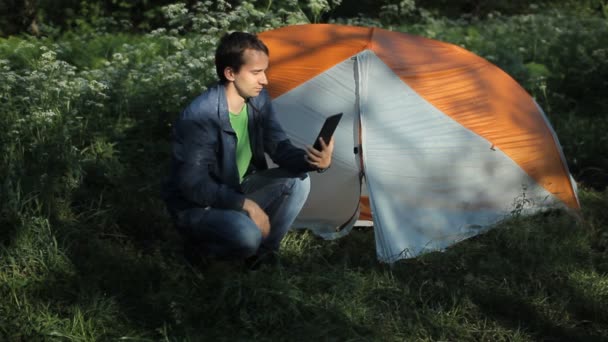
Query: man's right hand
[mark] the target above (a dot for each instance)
(258, 216)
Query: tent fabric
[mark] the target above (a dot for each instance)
(447, 176)
(448, 143)
(301, 112)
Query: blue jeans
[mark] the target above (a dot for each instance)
(231, 233)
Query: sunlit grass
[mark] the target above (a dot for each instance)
(528, 279)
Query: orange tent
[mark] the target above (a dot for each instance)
(446, 142)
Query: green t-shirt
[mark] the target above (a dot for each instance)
(243, 148)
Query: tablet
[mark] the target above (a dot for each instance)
(329, 126)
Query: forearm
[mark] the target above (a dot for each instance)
(206, 191)
(292, 158)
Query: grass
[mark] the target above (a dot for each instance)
(536, 278)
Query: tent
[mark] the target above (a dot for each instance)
(436, 144)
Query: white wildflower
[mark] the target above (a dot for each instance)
(49, 56)
(45, 116)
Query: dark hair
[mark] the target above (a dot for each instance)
(230, 51)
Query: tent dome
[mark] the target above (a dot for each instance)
(448, 143)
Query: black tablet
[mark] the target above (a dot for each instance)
(329, 126)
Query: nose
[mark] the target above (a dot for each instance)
(263, 79)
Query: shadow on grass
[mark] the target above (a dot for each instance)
(520, 276)
(157, 294)
(9, 223)
(518, 312)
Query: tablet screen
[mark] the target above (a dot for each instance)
(329, 126)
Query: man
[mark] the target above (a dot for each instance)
(220, 193)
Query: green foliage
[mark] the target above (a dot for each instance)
(395, 12)
(220, 16)
(45, 17)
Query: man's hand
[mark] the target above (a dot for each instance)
(320, 159)
(258, 216)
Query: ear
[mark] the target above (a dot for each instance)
(229, 74)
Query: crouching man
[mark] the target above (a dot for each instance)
(220, 193)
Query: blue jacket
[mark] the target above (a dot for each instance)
(203, 160)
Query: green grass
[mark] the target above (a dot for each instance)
(537, 278)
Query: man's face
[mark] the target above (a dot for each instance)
(251, 78)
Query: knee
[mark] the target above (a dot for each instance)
(299, 186)
(247, 242)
